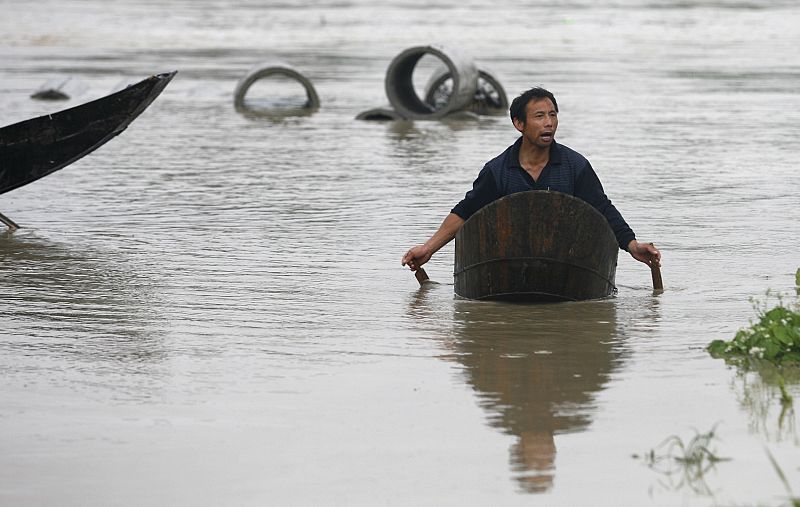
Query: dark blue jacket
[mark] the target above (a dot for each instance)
(567, 171)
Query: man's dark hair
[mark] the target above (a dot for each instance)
(518, 105)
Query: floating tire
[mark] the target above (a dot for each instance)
(380, 114)
(490, 98)
(404, 98)
(273, 69)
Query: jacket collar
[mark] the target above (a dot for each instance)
(555, 154)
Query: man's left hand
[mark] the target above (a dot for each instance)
(645, 252)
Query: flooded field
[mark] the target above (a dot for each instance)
(210, 309)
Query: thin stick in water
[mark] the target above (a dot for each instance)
(421, 276)
(655, 271)
(10, 223)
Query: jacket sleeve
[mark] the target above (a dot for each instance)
(589, 188)
(484, 191)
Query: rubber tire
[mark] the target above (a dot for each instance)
(485, 80)
(270, 69)
(379, 114)
(400, 87)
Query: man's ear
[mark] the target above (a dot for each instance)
(518, 124)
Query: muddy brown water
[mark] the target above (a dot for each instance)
(210, 309)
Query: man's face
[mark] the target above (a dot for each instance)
(541, 122)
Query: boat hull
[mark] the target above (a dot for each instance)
(536, 246)
(34, 148)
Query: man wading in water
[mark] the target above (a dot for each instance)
(534, 162)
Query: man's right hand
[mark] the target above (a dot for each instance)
(420, 254)
(416, 257)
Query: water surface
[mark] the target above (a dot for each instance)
(210, 309)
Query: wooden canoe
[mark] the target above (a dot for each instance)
(536, 246)
(34, 148)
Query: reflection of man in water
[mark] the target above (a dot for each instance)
(533, 458)
(536, 371)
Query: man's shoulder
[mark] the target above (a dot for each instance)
(569, 155)
(505, 158)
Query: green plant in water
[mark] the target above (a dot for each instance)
(760, 383)
(775, 337)
(770, 346)
(692, 460)
(782, 476)
(689, 460)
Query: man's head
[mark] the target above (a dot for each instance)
(518, 105)
(535, 115)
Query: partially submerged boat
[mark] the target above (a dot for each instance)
(538, 246)
(34, 148)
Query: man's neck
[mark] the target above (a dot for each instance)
(533, 158)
